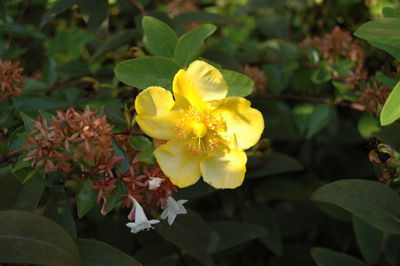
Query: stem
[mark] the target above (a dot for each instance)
(7, 157)
(354, 106)
(21, 14)
(137, 5)
(63, 83)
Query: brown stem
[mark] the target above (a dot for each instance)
(137, 5)
(63, 83)
(302, 98)
(7, 157)
(128, 133)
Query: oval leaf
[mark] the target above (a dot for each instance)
(238, 84)
(370, 240)
(147, 71)
(85, 197)
(327, 257)
(26, 237)
(160, 38)
(190, 43)
(96, 253)
(391, 109)
(371, 201)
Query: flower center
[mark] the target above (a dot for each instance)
(201, 129)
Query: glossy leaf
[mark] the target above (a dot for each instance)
(238, 84)
(190, 44)
(141, 142)
(160, 38)
(147, 71)
(391, 110)
(29, 197)
(276, 163)
(85, 197)
(41, 240)
(370, 201)
(327, 257)
(58, 8)
(97, 10)
(97, 253)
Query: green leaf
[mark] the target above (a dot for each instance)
(147, 71)
(34, 103)
(115, 195)
(26, 237)
(383, 33)
(186, 239)
(389, 12)
(189, 44)
(232, 234)
(319, 118)
(124, 165)
(238, 84)
(28, 121)
(385, 80)
(10, 188)
(391, 248)
(264, 217)
(115, 42)
(96, 253)
(58, 209)
(147, 155)
(369, 239)
(160, 38)
(371, 201)
(391, 108)
(199, 16)
(29, 197)
(367, 125)
(58, 8)
(85, 197)
(276, 163)
(141, 143)
(327, 257)
(97, 10)
(322, 74)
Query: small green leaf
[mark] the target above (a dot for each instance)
(10, 188)
(96, 253)
(276, 163)
(322, 74)
(370, 240)
(141, 143)
(85, 197)
(367, 126)
(115, 195)
(189, 44)
(58, 8)
(97, 10)
(26, 237)
(124, 165)
(327, 257)
(238, 84)
(147, 71)
(160, 38)
(28, 121)
(371, 201)
(391, 108)
(147, 155)
(29, 197)
(389, 12)
(319, 118)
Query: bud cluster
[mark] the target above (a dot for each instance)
(10, 79)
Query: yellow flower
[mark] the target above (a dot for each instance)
(206, 132)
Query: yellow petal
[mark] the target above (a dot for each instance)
(244, 124)
(199, 83)
(180, 166)
(225, 169)
(155, 115)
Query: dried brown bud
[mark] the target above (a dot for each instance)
(10, 79)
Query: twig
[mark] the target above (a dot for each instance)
(355, 106)
(7, 157)
(63, 83)
(137, 5)
(21, 14)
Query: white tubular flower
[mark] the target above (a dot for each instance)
(173, 209)
(141, 221)
(155, 182)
